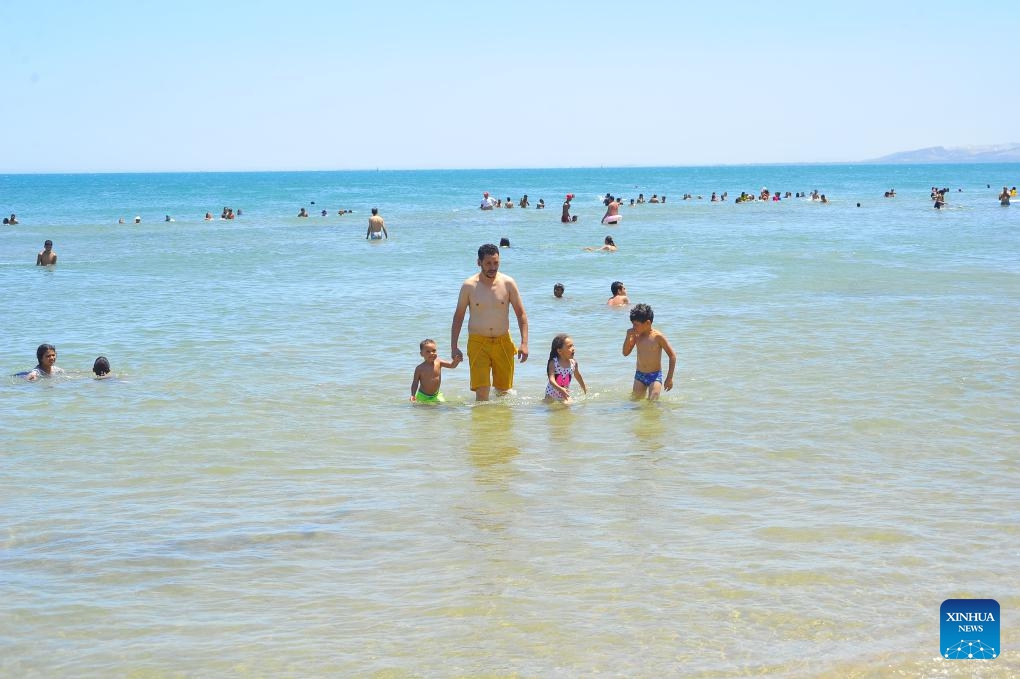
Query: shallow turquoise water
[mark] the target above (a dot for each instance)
(253, 495)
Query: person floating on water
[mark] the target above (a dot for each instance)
(428, 375)
(650, 344)
(608, 246)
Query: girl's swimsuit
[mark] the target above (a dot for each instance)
(562, 377)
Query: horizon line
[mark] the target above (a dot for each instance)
(515, 168)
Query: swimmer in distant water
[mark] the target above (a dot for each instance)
(619, 297)
(101, 368)
(541, 204)
(565, 215)
(523, 202)
(504, 242)
(487, 202)
(558, 291)
(376, 226)
(428, 375)
(612, 215)
(302, 213)
(1004, 197)
(609, 246)
(46, 354)
(46, 256)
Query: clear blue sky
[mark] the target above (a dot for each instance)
(206, 85)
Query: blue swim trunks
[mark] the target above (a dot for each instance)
(647, 378)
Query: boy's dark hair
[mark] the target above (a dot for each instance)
(642, 313)
(486, 250)
(558, 286)
(101, 366)
(427, 340)
(616, 286)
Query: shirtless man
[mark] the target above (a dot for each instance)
(489, 295)
(376, 226)
(612, 215)
(46, 256)
(619, 297)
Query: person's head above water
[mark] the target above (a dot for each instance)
(101, 367)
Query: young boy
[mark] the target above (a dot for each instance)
(429, 374)
(558, 291)
(650, 344)
(619, 297)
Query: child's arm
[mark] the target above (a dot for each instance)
(629, 341)
(414, 383)
(580, 380)
(664, 343)
(452, 363)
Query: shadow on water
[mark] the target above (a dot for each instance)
(650, 425)
(492, 443)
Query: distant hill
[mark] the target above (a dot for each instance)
(998, 153)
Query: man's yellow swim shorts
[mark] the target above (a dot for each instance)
(491, 356)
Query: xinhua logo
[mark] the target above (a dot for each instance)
(969, 629)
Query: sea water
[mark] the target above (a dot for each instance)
(253, 495)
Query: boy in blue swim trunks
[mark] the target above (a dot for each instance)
(429, 374)
(650, 344)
